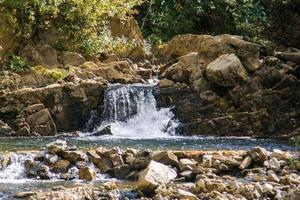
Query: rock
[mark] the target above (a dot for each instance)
(207, 161)
(188, 175)
(57, 147)
(73, 156)
(273, 178)
(292, 195)
(280, 155)
(154, 175)
(183, 194)
(72, 58)
(166, 157)
(140, 163)
(23, 195)
(101, 162)
(245, 163)
(145, 73)
(211, 47)
(24, 131)
(116, 159)
(188, 69)
(5, 130)
(43, 55)
(42, 123)
(33, 109)
(35, 169)
(227, 71)
(104, 131)
(165, 83)
(77, 192)
(61, 166)
(294, 56)
(5, 160)
(187, 164)
(259, 154)
(121, 171)
(275, 165)
(87, 173)
(51, 158)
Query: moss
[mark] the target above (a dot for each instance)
(56, 74)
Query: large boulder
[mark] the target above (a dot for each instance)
(154, 175)
(227, 70)
(187, 69)
(72, 58)
(211, 47)
(43, 55)
(42, 123)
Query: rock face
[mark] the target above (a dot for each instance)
(154, 175)
(227, 70)
(211, 47)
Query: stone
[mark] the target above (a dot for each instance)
(245, 163)
(154, 175)
(120, 171)
(140, 163)
(57, 146)
(273, 178)
(72, 58)
(51, 158)
(187, 164)
(23, 195)
(145, 73)
(42, 123)
(5, 130)
(61, 166)
(5, 160)
(24, 131)
(43, 55)
(35, 169)
(73, 156)
(165, 83)
(183, 194)
(259, 154)
(274, 164)
(101, 162)
(226, 71)
(87, 173)
(211, 47)
(280, 155)
(105, 131)
(215, 185)
(207, 160)
(293, 194)
(188, 175)
(166, 157)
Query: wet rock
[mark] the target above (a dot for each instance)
(165, 83)
(121, 171)
(105, 131)
(101, 162)
(145, 73)
(227, 70)
(61, 166)
(73, 156)
(51, 158)
(154, 175)
(5, 160)
(87, 173)
(72, 58)
(280, 155)
(166, 157)
(188, 175)
(140, 163)
(35, 169)
(57, 146)
(116, 159)
(23, 195)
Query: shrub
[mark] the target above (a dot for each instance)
(81, 22)
(18, 63)
(56, 74)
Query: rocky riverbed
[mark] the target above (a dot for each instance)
(252, 174)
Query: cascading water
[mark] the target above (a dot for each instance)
(131, 111)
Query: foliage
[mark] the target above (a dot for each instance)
(56, 74)
(82, 22)
(17, 63)
(162, 19)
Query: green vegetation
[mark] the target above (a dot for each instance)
(17, 63)
(83, 23)
(162, 19)
(56, 74)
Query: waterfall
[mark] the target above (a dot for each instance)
(132, 111)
